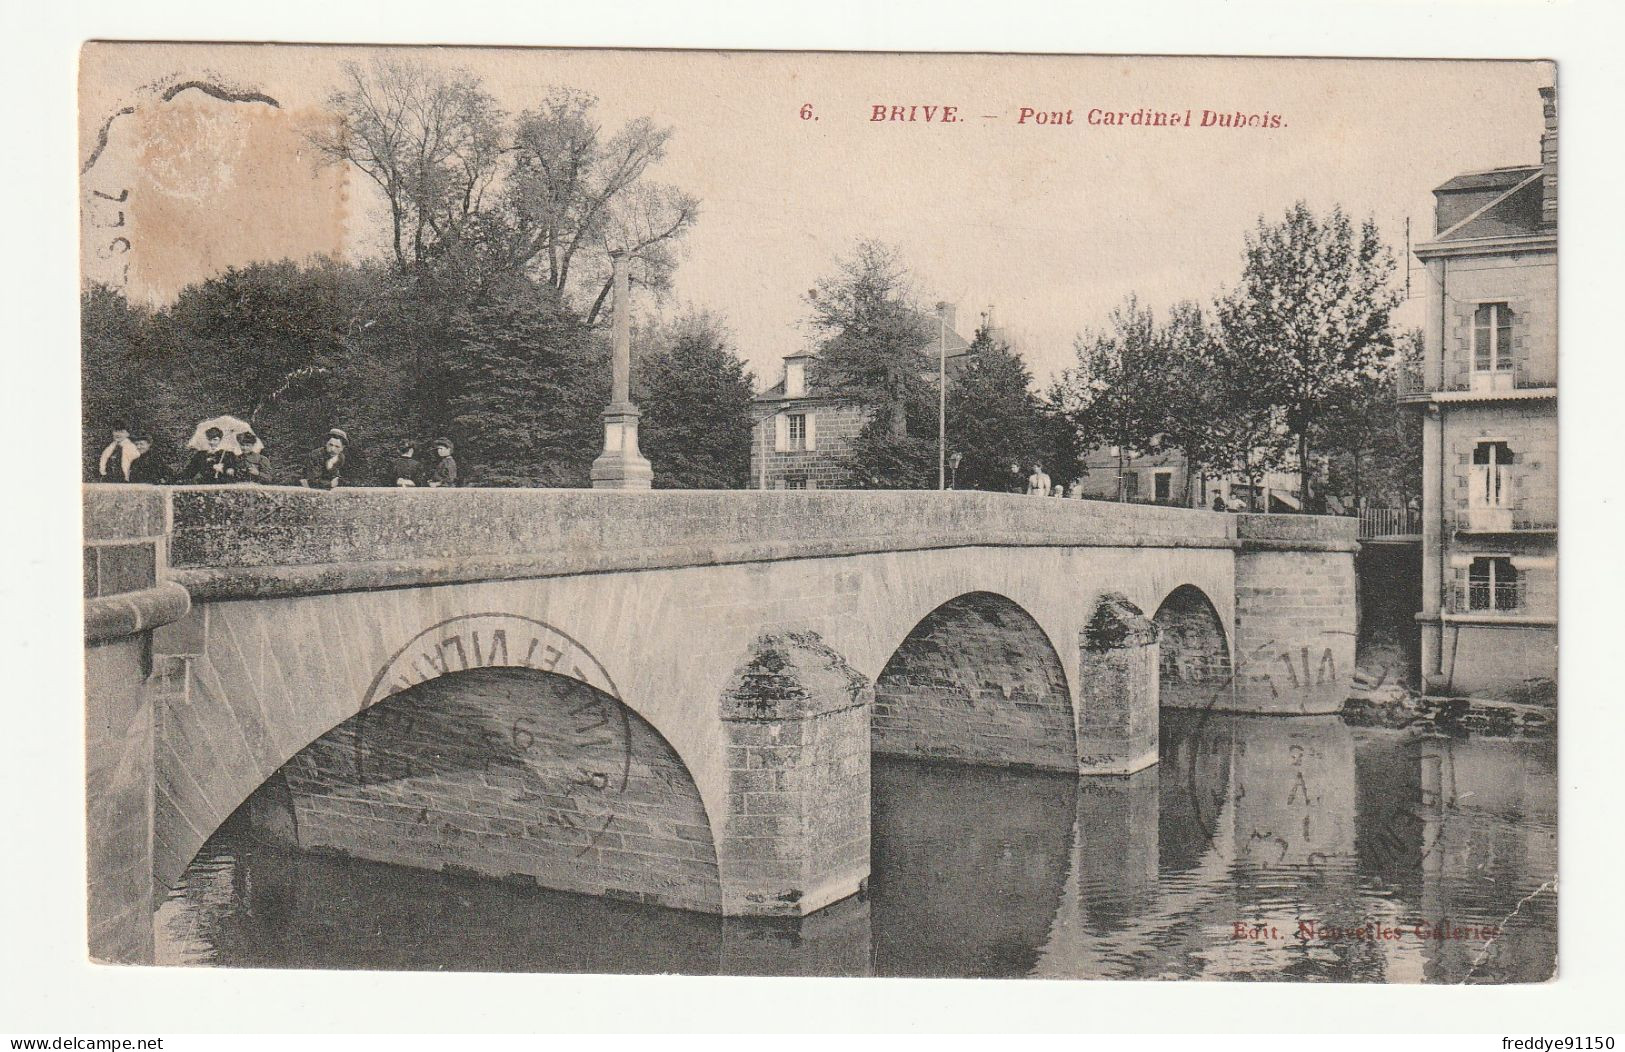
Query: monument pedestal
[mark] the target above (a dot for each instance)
(621, 465)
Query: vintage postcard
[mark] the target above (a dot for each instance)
(840, 514)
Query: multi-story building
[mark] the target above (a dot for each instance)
(1488, 391)
(803, 436)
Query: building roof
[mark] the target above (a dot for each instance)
(958, 351)
(1513, 212)
(1493, 178)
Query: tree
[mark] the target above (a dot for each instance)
(1118, 393)
(1374, 450)
(526, 386)
(872, 349)
(696, 398)
(872, 339)
(994, 419)
(1213, 412)
(574, 194)
(1309, 319)
(474, 198)
(117, 357)
(430, 139)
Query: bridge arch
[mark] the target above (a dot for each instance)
(1195, 663)
(509, 772)
(246, 687)
(978, 680)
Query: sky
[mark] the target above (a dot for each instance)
(1049, 226)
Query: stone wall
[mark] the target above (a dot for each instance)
(835, 431)
(239, 542)
(976, 682)
(506, 773)
(1510, 661)
(118, 797)
(124, 600)
(1295, 614)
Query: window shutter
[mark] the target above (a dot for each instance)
(812, 483)
(781, 433)
(812, 431)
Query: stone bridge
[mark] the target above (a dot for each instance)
(670, 697)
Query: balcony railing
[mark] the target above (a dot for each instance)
(1389, 522)
(1464, 596)
(1502, 520)
(1409, 384)
(1413, 382)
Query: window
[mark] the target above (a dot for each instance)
(795, 483)
(1131, 486)
(1492, 475)
(1492, 584)
(1162, 484)
(1492, 338)
(795, 379)
(794, 432)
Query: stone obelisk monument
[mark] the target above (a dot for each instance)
(620, 465)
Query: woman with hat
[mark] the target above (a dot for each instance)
(213, 464)
(445, 469)
(326, 466)
(252, 463)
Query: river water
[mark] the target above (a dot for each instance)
(1258, 848)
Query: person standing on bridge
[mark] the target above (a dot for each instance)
(445, 469)
(326, 465)
(114, 463)
(214, 464)
(145, 468)
(1038, 483)
(252, 463)
(404, 468)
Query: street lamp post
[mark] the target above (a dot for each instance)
(942, 395)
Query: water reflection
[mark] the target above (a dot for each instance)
(1251, 832)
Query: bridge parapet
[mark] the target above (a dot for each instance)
(1298, 532)
(266, 541)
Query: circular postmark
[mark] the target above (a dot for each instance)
(562, 766)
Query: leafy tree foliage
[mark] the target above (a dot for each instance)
(696, 398)
(476, 196)
(1308, 322)
(525, 390)
(1375, 453)
(994, 418)
(1118, 393)
(872, 339)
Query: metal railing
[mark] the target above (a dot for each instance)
(1409, 383)
(1465, 596)
(1412, 382)
(1389, 522)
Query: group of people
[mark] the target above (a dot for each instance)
(241, 458)
(1038, 485)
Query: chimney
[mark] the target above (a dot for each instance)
(1548, 159)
